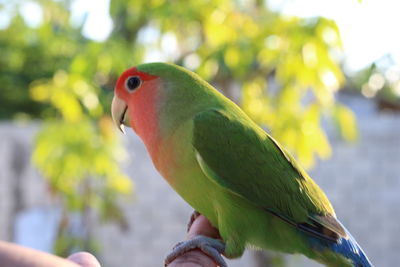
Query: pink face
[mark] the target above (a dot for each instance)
(134, 103)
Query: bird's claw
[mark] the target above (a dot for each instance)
(209, 246)
(193, 217)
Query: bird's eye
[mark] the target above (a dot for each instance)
(132, 83)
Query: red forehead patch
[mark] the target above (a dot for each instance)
(133, 72)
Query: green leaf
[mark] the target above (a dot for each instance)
(346, 122)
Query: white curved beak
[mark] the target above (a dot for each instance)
(118, 112)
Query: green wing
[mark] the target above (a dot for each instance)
(240, 156)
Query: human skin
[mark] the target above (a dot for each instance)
(12, 255)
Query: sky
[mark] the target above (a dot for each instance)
(369, 29)
(98, 24)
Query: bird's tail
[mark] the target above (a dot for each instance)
(344, 252)
(350, 249)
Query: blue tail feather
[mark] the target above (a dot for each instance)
(348, 248)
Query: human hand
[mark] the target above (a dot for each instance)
(196, 258)
(12, 255)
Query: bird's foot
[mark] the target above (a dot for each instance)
(193, 217)
(209, 246)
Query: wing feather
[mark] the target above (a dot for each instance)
(240, 156)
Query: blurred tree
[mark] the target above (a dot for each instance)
(287, 69)
(53, 72)
(380, 81)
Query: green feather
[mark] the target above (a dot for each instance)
(240, 156)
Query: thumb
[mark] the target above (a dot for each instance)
(84, 259)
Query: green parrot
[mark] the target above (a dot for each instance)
(229, 170)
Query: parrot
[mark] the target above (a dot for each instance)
(229, 169)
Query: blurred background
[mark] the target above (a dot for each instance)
(323, 77)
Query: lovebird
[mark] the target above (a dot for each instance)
(229, 170)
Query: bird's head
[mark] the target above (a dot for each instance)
(155, 98)
(134, 89)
